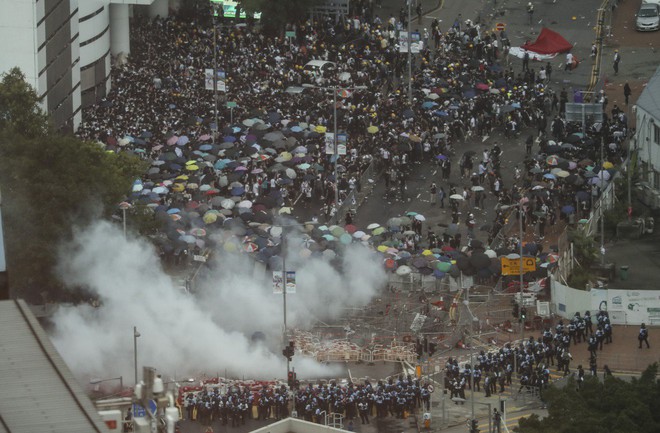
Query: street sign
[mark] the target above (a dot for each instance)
(138, 411)
(512, 266)
(231, 104)
(290, 34)
(500, 26)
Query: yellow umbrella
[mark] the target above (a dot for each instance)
(426, 253)
(192, 167)
(192, 161)
(286, 156)
(178, 187)
(210, 218)
(182, 177)
(382, 248)
(320, 128)
(607, 165)
(372, 129)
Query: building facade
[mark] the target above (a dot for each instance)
(647, 140)
(65, 48)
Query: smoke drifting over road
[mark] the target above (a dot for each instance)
(184, 335)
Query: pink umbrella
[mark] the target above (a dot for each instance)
(172, 140)
(205, 137)
(482, 86)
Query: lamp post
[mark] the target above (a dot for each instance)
(409, 54)
(216, 7)
(124, 206)
(136, 334)
(335, 89)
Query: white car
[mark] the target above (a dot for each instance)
(648, 17)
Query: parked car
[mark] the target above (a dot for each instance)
(648, 17)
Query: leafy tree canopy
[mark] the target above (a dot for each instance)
(613, 406)
(50, 182)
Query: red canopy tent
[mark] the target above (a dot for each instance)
(548, 42)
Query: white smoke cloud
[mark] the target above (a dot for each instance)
(184, 335)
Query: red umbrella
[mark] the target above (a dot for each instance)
(390, 264)
(350, 228)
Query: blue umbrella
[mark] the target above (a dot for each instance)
(146, 134)
(229, 138)
(438, 274)
(237, 191)
(441, 157)
(296, 129)
(441, 113)
(549, 176)
(183, 140)
(568, 209)
(173, 210)
(206, 147)
(429, 104)
(469, 93)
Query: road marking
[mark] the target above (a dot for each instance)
(418, 195)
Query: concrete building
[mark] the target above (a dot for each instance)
(647, 140)
(65, 48)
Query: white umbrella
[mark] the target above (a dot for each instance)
(403, 270)
(358, 234)
(373, 226)
(456, 197)
(246, 204)
(477, 188)
(491, 254)
(227, 203)
(420, 217)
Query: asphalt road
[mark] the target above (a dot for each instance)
(575, 21)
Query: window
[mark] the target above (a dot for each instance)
(656, 134)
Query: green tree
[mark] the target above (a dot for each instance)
(19, 106)
(50, 182)
(613, 406)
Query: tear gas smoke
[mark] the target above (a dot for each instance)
(184, 335)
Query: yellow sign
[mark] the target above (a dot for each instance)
(512, 266)
(418, 371)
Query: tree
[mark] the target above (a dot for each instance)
(585, 254)
(50, 182)
(612, 406)
(19, 106)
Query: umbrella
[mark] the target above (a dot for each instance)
(456, 197)
(552, 160)
(420, 217)
(403, 270)
(568, 209)
(477, 188)
(441, 157)
(372, 129)
(373, 226)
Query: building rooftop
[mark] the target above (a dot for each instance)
(39, 392)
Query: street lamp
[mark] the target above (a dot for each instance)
(217, 6)
(124, 206)
(335, 89)
(136, 334)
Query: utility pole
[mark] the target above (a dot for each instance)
(602, 219)
(409, 54)
(521, 215)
